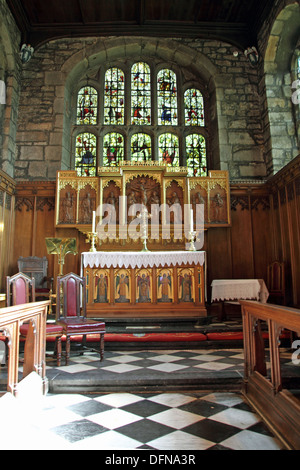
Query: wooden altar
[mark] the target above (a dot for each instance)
(145, 284)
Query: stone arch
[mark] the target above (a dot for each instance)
(9, 72)
(282, 144)
(99, 51)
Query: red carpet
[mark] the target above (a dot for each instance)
(141, 337)
(165, 337)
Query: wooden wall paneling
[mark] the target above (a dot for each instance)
(7, 230)
(44, 227)
(262, 236)
(286, 248)
(285, 214)
(34, 220)
(219, 256)
(241, 238)
(277, 253)
(1, 239)
(7, 190)
(23, 228)
(293, 224)
(297, 237)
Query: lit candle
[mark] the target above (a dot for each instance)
(192, 220)
(94, 222)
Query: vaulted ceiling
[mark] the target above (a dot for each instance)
(233, 21)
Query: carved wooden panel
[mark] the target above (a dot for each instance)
(87, 204)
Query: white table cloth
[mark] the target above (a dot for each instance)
(140, 259)
(235, 289)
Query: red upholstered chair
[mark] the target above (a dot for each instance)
(71, 311)
(20, 289)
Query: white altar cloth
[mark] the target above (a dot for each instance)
(140, 259)
(235, 289)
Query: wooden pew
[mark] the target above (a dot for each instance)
(11, 318)
(265, 392)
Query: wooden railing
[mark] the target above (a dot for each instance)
(264, 390)
(11, 318)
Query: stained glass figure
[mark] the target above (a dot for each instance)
(141, 147)
(196, 155)
(167, 97)
(87, 105)
(193, 107)
(114, 96)
(140, 94)
(168, 149)
(113, 149)
(85, 154)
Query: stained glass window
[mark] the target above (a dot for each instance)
(168, 149)
(141, 147)
(87, 105)
(196, 155)
(193, 107)
(114, 97)
(140, 94)
(85, 154)
(113, 149)
(167, 97)
(126, 97)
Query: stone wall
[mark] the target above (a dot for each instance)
(277, 43)
(45, 116)
(251, 124)
(239, 117)
(10, 72)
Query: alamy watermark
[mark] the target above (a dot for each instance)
(161, 219)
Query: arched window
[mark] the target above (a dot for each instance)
(141, 147)
(140, 94)
(126, 119)
(85, 154)
(113, 149)
(87, 105)
(196, 155)
(114, 97)
(167, 97)
(193, 108)
(168, 149)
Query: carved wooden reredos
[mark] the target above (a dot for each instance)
(141, 183)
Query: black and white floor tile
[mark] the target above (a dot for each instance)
(147, 366)
(135, 419)
(168, 421)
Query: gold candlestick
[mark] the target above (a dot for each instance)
(92, 237)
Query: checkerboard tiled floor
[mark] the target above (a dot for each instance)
(150, 417)
(154, 421)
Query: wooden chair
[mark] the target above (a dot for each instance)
(71, 311)
(20, 289)
(276, 282)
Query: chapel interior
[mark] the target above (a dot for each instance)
(118, 121)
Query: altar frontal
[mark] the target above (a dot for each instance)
(145, 284)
